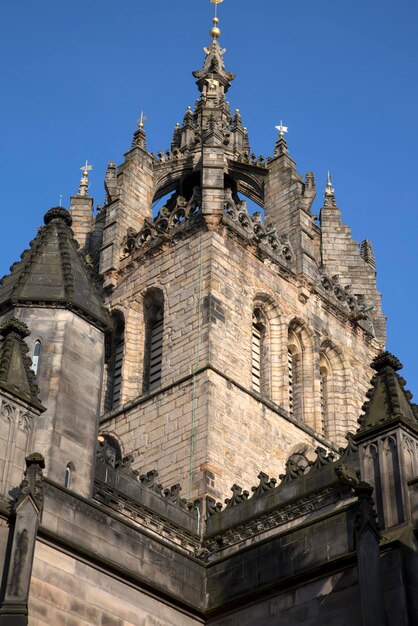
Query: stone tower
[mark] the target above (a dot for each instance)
(204, 346)
(238, 338)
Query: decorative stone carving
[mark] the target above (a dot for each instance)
(32, 483)
(125, 467)
(212, 507)
(25, 422)
(344, 295)
(264, 235)
(266, 484)
(173, 495)
(177, 211)
(150, 520)
(238, 496)
(292, 471)
(252, 159)
(149, 481)
(265, 522)
(322, 458)
(20, 379)
(348, 475)
(350, 450)
(366, 516)
(106, 454)
(8, 412)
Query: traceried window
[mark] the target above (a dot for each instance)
(154, 339)
(36, 356)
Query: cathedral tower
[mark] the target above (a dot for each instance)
(239, 337)
(151, 365)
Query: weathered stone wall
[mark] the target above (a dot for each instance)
(96, 567)
(331, 600)
(128, 208)
(16, 440)
(168, 432)
(69, 377)
(211, 283)
(67, 592)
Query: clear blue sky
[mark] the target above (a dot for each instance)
(341, 75)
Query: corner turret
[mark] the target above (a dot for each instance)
(51, 291)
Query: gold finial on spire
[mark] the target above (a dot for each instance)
(329, 191)
(86, 168)
(215, 30)
(83, 189)
(142, 120)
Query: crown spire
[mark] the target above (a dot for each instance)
(213, 77)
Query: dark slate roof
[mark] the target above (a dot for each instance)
(388, 400)
(16, 375)
(52, 273)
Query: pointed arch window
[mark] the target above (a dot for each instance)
(295, 375)
(258, 351)
(68, 475)
(115, 352)
(155, 350)
(324, 389)
(335, 399)
(154, 339)
(36, 356)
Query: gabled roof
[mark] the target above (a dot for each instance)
(388, 400)
(53, 273)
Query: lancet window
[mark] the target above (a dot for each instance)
(116, 346)
(295, 375)
(154, 339)
(259, 365)
(36, 356)
(333, 391)
(68, 475)
(324, 381)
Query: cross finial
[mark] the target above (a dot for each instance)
(282, 129)
(83, 190)
(86, 168)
